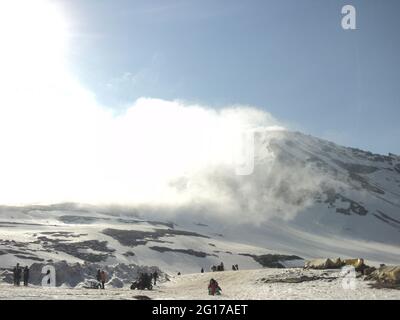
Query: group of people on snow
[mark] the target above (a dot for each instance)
(149, 277)
(220, 267)
(144, 279)
(20, 274)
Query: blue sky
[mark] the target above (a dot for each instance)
(289, 57)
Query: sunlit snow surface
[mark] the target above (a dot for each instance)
(246, 284)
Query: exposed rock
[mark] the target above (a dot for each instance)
(70, 219)
(355, 167)
(272, 260)
(300, 279)
(77, 249)
(367, 271)
(63, 234)
(191, 252)
(141, 297)
(136, 237)
(354, 207)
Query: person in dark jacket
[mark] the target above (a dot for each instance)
(155, 277)
(17, 275)
(98, 276)
(26, 276)
(202, 270)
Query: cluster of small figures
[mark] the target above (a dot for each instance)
(221, 267)
(18, 273)
(145, 281)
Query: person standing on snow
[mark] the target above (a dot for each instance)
(17, 277)
(103, 278)
(214, 288)
(26, 276)
(155, 277)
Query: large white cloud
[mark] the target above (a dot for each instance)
(58, 144)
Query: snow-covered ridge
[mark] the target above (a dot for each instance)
(307, 197)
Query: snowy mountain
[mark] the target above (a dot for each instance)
(306, 198)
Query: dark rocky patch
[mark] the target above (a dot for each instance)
(151, 222)
(381, 285)
(218, 251)
(361, 154)
(300, 279)
(129, 254)
(201, 224)
(170, 225)
(142, 297)
(20, 223)
(135, 237)
(388, 217)
(355, 167)
(69, 219)
(18, 249)
(271, 260)
(191, 252)
(64, 234)
(76, 249)
(161, 241)
(354, 207)
(13, 244)
(365, 184)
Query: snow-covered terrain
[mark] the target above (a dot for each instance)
(248, 284)
(307, 197)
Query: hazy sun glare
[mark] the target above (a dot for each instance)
(33, 40)
(58, 144)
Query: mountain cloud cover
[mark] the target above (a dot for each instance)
(59, 144)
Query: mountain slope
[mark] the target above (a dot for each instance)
(307, 197)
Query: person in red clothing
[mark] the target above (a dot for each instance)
(213, 288)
